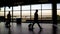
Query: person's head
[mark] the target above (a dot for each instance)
(9, 12)
(36, 11)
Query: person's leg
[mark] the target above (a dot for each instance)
(9, 22)
(32, 25)
(6, 23)
(39, 26)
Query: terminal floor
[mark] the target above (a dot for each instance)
(23, 29)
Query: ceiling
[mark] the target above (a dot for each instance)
(23, 2)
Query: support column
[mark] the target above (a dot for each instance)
(41, 13)
(12, 14)
(30, 13)
(54, 16)
(4, 13)
(21, 13)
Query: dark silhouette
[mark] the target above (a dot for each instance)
(18, 21)
(9, 30)
(8, 19)
(36, 20)
(30, 26)
(54, 29)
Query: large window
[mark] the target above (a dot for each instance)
(25, 13)
(7, 11)
(44, 11)
(25, 16)
(2, 11)
(46, 6)
(58, 11)
(16, 8)
(16, 12)
(46, 14)
(36, 6)
(26, 7)
(33, 10)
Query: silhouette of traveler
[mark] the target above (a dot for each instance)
(8, 19)
(36, 19)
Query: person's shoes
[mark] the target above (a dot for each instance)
(41, 28)
(31, 29)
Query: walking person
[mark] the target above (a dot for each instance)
(36, 20)
(8, 19)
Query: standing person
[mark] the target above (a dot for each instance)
(8, 19)
(36, 19)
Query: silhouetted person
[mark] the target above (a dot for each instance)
(36, 19)
(8, 19)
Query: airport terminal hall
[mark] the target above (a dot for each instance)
(29, 17)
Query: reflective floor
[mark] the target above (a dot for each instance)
(23, 29)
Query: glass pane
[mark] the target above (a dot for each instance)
(37, 6)
(26, 7)
(39, 14)
(58, 6)
(8, 9)
(46, 6)
(16, 14)
(1, 16)
(58, 14)
(2, 9)
(25, 16)
(46, 14)
(32, 15)
(58, 17)
(1, 13)
(16, 8)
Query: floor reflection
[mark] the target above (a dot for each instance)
(8, 28)
(33, 32)
(23, 29)
(40, 31)
(9, 32)
(55, 29)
